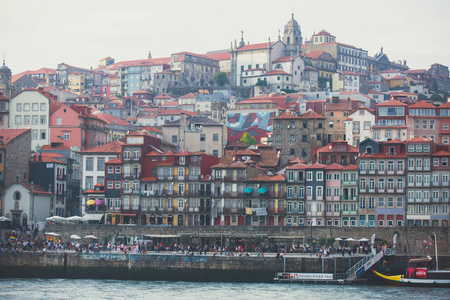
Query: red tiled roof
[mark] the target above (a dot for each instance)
(246, 152)
(44, 157)
(396, 78)
(285, 58)
(143, 92)
(163, 96)
(287, 115)
(59, 146)
(372, 111)
(441, 153)
(114, 161)
(334, 167)
(278, 72)
(151, 129)
(299, 166)
(112, 147)
(10, 134)
(418, 139)
(391, 103)
(374, 92)
(350, 167)
(314, 54)
(255, 101)
(311, 114)
(188, 96)
(37, 188)
(297, 160)
(3, 97)
(422, 104)
(110, 119)
(218, 55)
(317, 166)
(255, 46)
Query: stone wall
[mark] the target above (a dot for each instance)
(407, 236)
(180, 267)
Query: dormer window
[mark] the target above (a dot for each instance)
(391, 150)
(369, 150)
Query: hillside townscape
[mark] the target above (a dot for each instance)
(297, 131)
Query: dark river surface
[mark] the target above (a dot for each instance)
(126, 289)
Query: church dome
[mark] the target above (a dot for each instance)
(292, 22)
(3, 67)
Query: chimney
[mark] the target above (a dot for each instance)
(40, 157)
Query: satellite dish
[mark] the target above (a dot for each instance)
(206, 91)
(200, 91)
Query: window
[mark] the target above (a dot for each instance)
(110, 184)
(43, 134)
(19, 106)
(371, 202)
(35, 106)
(330, 124)
(380, 201)
(319, 176)
(278, 138)
(101, 164)
(34, 120)
(26, 107)
(216, 153)
(292, 151)
(118, 171)
(34, 134)
(18, 120)
(89, 164)
(362, 166)
(362, 202)
(174, 139)
(309, 176)
(110, 169)
(43, 106)
(367, 125)
(292, 138)
(215, 137)
(202, 137)
(66, 136)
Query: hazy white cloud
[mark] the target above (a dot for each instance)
(36, 34)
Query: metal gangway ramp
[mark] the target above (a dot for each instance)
(363, 265)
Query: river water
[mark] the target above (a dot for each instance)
(127, 289)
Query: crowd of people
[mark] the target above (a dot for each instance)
(32, 240)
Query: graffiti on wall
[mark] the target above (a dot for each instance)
(257, 124)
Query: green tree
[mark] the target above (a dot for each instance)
(261, 82)
(220, 78)
(247, 139)
(437, 97)
(422, 97)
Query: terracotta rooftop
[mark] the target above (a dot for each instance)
(392, 103)
(112, 147)
(9, 134)
(422, 104)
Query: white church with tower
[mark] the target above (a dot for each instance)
(275, 64)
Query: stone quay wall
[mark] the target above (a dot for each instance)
(180, 267)
(410, 237)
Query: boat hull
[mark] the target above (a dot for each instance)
(399, 280)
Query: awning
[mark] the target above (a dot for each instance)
(248, 190)
(128, 214)
(262, 190)
(93, 217)
(162, 235)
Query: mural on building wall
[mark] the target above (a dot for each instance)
(257, 125)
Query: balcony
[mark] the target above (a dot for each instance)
(127, 191)
(193, 177)
(61, 177)
(349, 212)
(180, 209)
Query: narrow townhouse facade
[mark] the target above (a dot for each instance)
(349, 198)
(113, 190)
(382, 184)
(390, 121)
(296, 194)
(333, 190)
(423, 121)
(315, 195)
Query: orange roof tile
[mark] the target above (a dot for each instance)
(112, 147)
(422, 104)
(391, 103)
(10, 134)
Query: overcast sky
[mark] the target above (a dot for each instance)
(36, 34)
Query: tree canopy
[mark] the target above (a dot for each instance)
(247, 139)
(220, 78)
